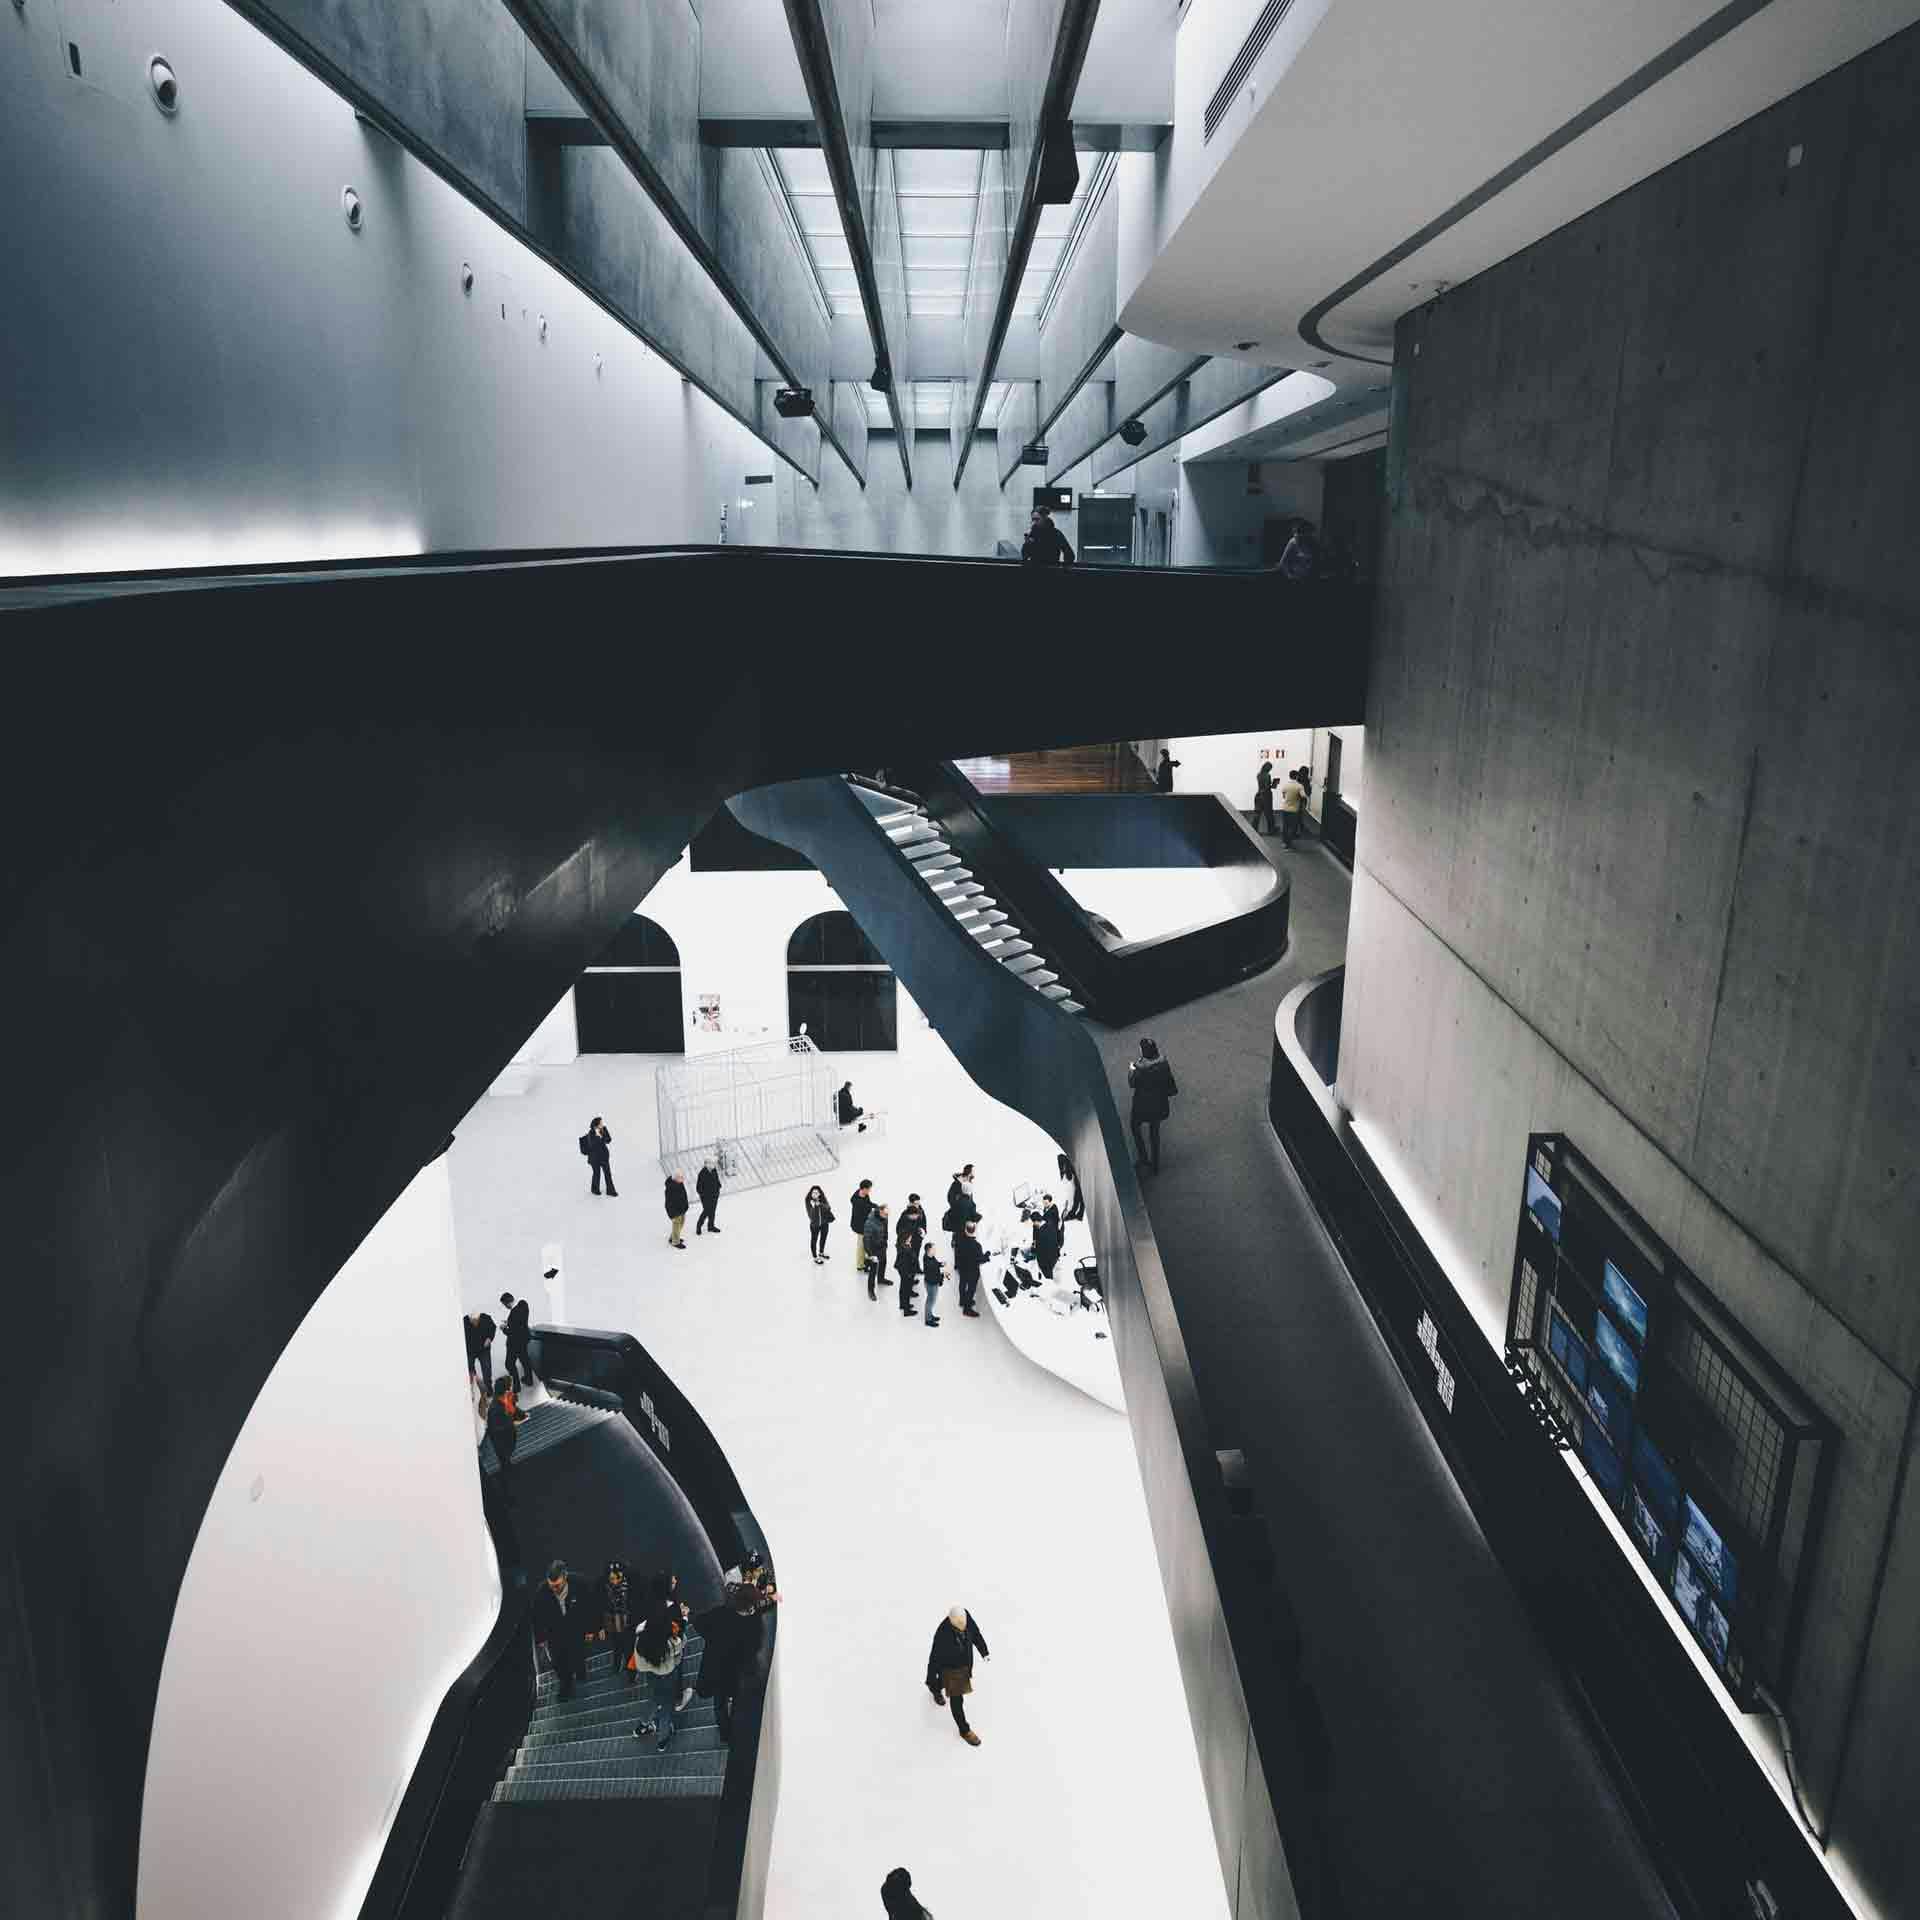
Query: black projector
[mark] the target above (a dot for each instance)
(794, 403)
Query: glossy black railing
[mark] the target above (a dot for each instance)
(671, 1426)
(1013, 841)
(1708, 1818)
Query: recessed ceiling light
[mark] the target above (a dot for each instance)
(1245, 346)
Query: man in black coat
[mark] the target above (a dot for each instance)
(969, 1256)
(676, 1197)
(1047, 1238)
(519, 1359)
(950, 1666)
(730, 1659)
(594, 1143)
(479, 1331)
(706, 1184)
(565, 1616)
(857, 1210)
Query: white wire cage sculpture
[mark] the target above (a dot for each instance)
(762, 1114)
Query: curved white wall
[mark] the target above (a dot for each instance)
(341, 1581)
(206, 366)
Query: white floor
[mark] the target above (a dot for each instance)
(897, 1470)
(1145, 902)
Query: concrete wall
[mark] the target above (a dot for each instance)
(886, 518)
(1638, 859)
(206, 366)
(1220, 522)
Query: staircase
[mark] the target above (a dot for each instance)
(924, 848)
(584, 1749)
(553, 1420)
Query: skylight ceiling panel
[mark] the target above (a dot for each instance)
(936, 170)
(948, 251)
(830, 251)
(922, 218)
(805, 169)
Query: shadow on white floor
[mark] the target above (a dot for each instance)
(897, 1470)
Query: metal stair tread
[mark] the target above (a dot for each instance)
(604, 1721)
(619, 1745)
(1057, 994)
(666, 1786)
(639, 1763)
(1010, 949)
(1024, 963)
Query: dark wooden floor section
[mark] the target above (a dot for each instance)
(1110, 768)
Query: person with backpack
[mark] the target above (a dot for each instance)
(858, 1208)
(659, 1645)
(594, 1143)
(1151, 1078)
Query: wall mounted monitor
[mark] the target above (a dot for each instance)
(1650, 1535)
(1715, 1631)
(1711, 1553)
(1626, 1303)
(1688, 1590)
(1617, 1352)
(1544, 1204)
(1567, 1347)
(1609, 1408)
(1603, 1463)
(1656, 1481)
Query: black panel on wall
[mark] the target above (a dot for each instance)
(629, 1013)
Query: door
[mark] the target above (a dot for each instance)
(629, 1001)
(1106, 529)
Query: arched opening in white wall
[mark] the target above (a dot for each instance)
(628, 1001)
(840, 987)
(341, 1580)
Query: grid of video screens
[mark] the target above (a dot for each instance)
(1598, 1309)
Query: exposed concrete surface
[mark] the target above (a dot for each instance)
(935, 517)
(1638, 859)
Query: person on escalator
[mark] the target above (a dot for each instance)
(564, 1619)
(1045, 545)
(519, 1356)
(659, 1645)
(501, 1430)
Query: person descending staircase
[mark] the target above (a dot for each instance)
(924, 848)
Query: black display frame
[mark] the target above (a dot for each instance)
(1561, 1278)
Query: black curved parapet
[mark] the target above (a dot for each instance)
(295, 862)
(1013, 841)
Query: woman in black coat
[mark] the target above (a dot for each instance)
(1151, 1079)
(896, 1896)
(819, 1219)
(950, 1666)
(906, 1261)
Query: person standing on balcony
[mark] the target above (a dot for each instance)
(1163, 773)
(595, 1144)
(707, 1185)
(676, 1198)
(950, 1666)
(1045, 545)
(1293, 804)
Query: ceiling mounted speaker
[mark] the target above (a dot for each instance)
(1133, 431)
(794, 403)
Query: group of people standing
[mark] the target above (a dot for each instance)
(650, 1629)
(907, 1243)
(498, 1394)
(1293, 801)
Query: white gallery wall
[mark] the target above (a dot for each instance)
(1229, 763)
(206, 365)
(341, 1581)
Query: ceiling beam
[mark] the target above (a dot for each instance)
(844, 127)
(1040, 156)
(613, 64)
(953, 136)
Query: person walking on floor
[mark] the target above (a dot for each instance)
(676, 1197)
(969, 1256)
(1263, 798)
(1151, 1079)
(873, 1238)
(501, 1430)
(858, 1209)
(1078, 1211)
(906, 1261)
(659, 1645)
(1163, 773)
(595, 1144)
(934, 1274)
(819, 1219)
(897, 1897)
(564, 1618)
(1293, 807)
(950, 1666)
(706, 1184)
(1047, 1239)
(519, 1356)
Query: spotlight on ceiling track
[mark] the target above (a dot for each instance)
(794, 403)
(1133, 431)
